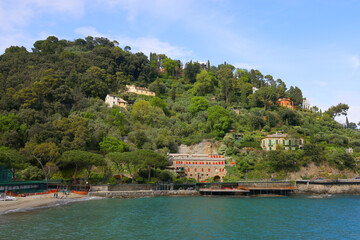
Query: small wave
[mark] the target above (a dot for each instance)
(321, 196)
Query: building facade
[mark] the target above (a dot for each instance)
(285, 102)
(199, 166)
(306, 104)
(112, 100)
(139, 90)
(271, 141)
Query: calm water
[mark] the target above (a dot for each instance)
(304, 217)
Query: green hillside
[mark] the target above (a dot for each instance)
(53, 118)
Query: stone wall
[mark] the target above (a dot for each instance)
(321, 188)
(143, 193)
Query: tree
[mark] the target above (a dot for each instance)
(198, 104)
(141, 111)
(335, 111)
(226, 79)
(81, 159)
(111, 144)
(191, 70)
(169, 66)
(151, 159)
(11, 159)
(158, 102)
(130, 160)
(120, 160)
(266, 96)
(295, 95)
(204, 83)
(219, 120)
(42, 153)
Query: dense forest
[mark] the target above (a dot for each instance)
(54, 123)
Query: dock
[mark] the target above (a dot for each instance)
(248, 188)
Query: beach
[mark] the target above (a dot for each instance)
(35, 201)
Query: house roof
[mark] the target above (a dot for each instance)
(277, 135)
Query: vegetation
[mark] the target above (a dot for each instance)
(54, 122)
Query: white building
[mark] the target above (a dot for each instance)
(112, 100)
(306, 104)
(254, 89)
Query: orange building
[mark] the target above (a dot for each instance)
(285, 102)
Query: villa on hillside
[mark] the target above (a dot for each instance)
(306, 104)
(290, 143)
(112, 100)
(198, 166)
(285, 102)
(139, 90)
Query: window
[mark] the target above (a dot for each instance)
(277, 142)
(190, 175)
(283, 142)
(269, 142)
(188, 169)
(202, 169)
(195, 169)
(289, 142)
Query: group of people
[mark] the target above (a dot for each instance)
(65, 194)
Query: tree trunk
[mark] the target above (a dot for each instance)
(13, 174)
(149, 173)
(42, 166)
(75, 173)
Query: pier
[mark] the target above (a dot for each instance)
(247, 188)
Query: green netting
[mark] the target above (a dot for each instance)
(5, 174)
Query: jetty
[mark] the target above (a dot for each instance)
(247, 188)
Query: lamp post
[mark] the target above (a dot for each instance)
(295, 171)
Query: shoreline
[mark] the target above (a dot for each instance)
(23, 204)
(36, 202)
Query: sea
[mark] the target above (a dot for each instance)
(200, 217)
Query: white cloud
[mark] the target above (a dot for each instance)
(355, 62)
(88, 31)
(19, 13)
(141, 44)
(149, 44)
(247, 66)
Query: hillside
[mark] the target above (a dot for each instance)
(52, 103)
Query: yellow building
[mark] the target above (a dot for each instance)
(139, 90)
(271, 141)
(112, 100)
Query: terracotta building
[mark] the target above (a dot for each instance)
(112, 100)
(271, 141)
(139, 90)
(198, 166)
(285, 102)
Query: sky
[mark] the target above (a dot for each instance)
(312, 44)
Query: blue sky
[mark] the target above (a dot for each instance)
(310, 44)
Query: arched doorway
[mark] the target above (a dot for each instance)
(217, 178)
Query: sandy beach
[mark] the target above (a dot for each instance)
(34, 201)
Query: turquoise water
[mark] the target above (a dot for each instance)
(303, 217)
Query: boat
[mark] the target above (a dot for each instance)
(80, 192)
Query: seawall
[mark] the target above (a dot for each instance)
(328, 186)
(143, 193)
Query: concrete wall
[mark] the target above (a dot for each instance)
(329, 187)
(143, 193)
